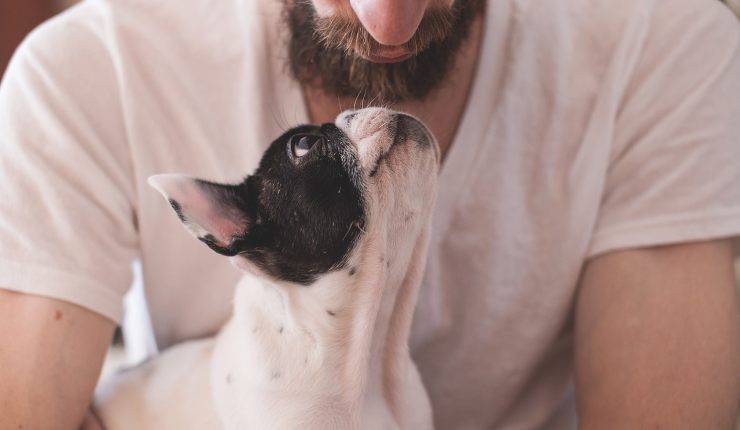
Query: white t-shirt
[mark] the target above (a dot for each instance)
(591, 126)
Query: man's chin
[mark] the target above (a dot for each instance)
(383, 59)
(386, 54)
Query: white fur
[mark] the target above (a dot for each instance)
(330, 356)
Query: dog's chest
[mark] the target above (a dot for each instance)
(270, 371)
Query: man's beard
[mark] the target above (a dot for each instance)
(323, 53)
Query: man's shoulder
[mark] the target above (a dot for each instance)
(608, 22)
(623, 40)
(693, 21)
(155, 30)
(64, 39)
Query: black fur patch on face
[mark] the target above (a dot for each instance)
(178, 210)
(304, 213)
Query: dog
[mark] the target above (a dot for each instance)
(331, 232)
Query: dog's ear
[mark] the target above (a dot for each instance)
(214, 213)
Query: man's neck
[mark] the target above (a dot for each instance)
(442, 110)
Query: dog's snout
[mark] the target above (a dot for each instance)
(368, 120)
(349, 117)
(376, 131)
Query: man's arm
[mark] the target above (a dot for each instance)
(51, 353)
(658, 339)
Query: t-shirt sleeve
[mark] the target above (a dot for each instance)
(674, 172)
(67, 228)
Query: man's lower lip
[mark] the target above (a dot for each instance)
(381, 59)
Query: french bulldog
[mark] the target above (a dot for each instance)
(331, 232)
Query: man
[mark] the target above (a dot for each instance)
(588, 191)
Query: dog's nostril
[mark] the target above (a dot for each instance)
(350, 117)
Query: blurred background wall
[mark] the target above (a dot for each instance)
(18, 17)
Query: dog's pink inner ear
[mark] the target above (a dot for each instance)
(203, 207)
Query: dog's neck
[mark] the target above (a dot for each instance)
(360, 316)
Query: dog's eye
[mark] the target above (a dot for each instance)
(300, 144)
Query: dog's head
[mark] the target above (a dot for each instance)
(318, 191)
